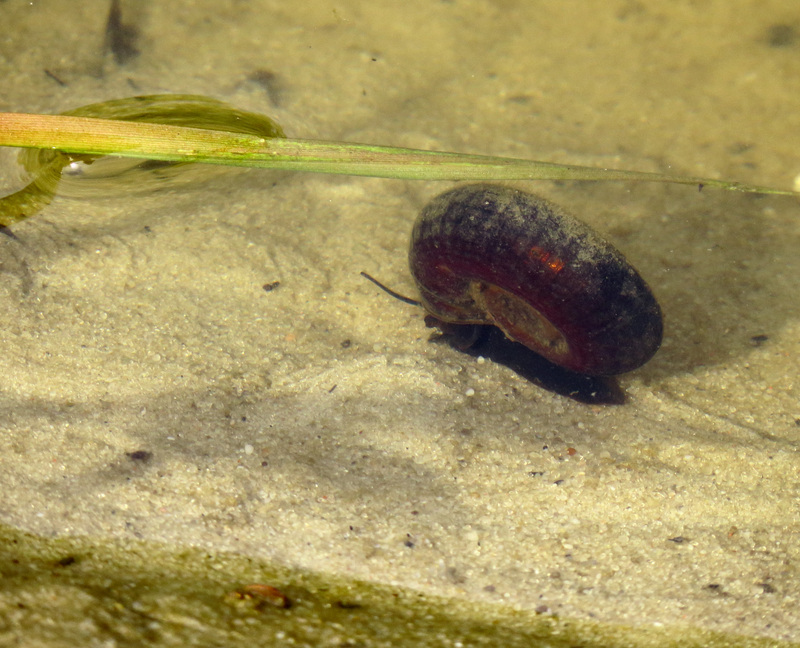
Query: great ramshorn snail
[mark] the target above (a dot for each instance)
(489, 254)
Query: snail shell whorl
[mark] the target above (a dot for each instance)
(489, 254)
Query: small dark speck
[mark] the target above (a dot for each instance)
(55, 78)
(262, 77)
(7, 232)
(781, 35)
(272, 285)
(455, 576)
(716, 588)
(768, 589)
(140, 455)
(346, 344)
(520, 99)
(738, 148)
(758, 340)
(558, 482)
(536, 473)
(347, 605)
(797, 422)
(678, 539)
(268, 81)
(330, 391)
(264, 464)
(409, 544)
(66, 561)
(490, 588)
(121, 38)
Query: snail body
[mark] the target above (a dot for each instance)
(489, 254)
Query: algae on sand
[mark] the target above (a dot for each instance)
(76, 591)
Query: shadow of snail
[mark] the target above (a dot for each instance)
(572, 309)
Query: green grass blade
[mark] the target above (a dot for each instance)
(95, 136)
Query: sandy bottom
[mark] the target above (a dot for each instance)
(154, 390)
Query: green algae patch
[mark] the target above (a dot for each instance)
(78, 591)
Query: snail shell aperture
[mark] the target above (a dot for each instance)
(489, 254)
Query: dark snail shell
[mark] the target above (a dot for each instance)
(489, 254)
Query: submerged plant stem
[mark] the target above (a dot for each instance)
(93, 136)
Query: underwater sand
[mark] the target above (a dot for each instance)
(154, 391)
